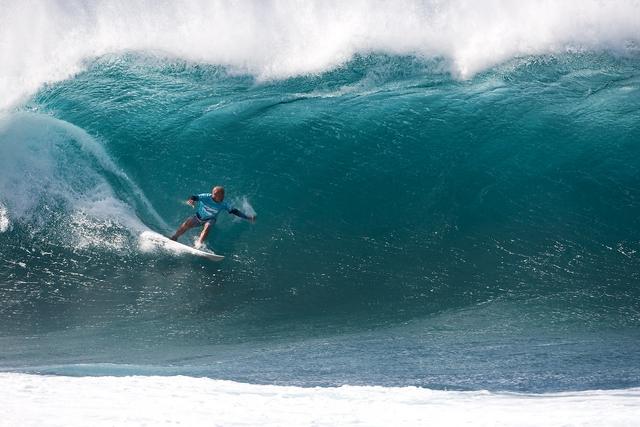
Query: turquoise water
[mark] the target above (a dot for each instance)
(414, 227)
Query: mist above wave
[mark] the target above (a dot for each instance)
(46, 42)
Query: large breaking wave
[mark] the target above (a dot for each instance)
(448, 192)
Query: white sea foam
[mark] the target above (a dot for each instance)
(47, 41)
(4, 219)
(32, 400)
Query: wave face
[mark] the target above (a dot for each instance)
(426, 216)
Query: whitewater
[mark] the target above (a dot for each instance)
(196, 401)
(448, 201)
(280, 39)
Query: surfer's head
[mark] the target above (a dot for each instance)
(217, 193)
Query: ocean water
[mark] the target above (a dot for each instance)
(447, 197)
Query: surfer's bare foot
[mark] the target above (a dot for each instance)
(174, 238)
(197, 244)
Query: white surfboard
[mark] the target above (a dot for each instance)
(150, 240)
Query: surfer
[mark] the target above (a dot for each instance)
(208, 206)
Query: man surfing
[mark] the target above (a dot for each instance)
(208, 206)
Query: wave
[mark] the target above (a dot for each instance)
(415, 228)
(38, 400)
(45, 42)
(441, 191)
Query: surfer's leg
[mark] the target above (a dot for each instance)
(205, 232)
(189, 223)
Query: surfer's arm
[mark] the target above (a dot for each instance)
(242, 215)
(193, 199)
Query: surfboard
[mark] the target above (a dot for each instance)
(151, 239)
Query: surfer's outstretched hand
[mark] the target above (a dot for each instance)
(252, 219)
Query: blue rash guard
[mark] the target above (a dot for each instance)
(208, 209)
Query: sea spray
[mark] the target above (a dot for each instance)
(51, 167)
(281, 39)
(245, 207)
(4, 219)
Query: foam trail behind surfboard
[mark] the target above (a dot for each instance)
(150, 241)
